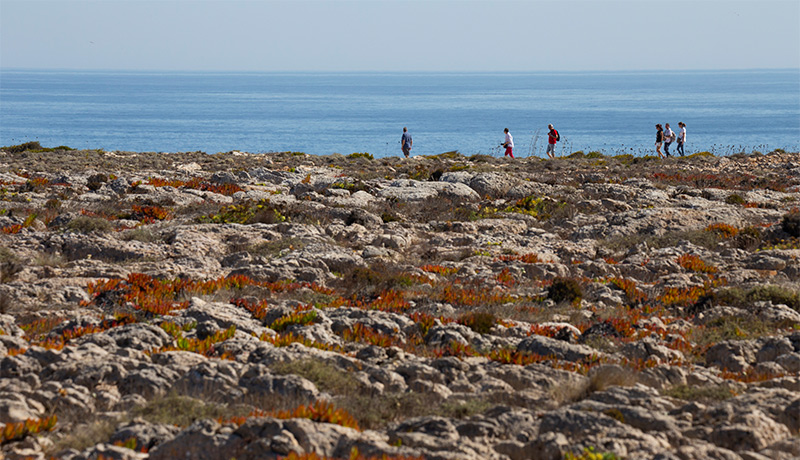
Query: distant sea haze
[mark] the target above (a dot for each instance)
(322, 113)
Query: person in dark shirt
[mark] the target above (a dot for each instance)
(659, 140)
(407, 142)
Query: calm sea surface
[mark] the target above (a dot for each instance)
(611, 112)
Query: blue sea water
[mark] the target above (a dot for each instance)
(321, 113)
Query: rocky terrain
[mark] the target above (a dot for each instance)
(284, 305)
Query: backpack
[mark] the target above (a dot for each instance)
(558, 136)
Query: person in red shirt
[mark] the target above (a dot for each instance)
(552, 138)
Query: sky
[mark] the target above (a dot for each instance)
(399, 35)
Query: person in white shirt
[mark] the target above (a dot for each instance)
(669, 136)
(681, 137)
(509, 144)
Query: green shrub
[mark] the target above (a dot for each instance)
(301, 318)
(350, 186)
(9, 265)
(589, 453)
(356, 155)
(625, 158)
(87, 224)
(738, 297)
(247, 212)
(9, 270)
(480, 158)
(594, 155)
(735, 198)
(791, 223)
(775, 294)
(52, 203)
(325, 376)
(701, 155)
(748, 238)
(143, 234)
(565, 290)
(179, 410)
(480, 322)
(7, 255)
(729, 328)
(370, 282)
(644, 159)
(23, 147)
(542, 208)
(388, 216)
(5, 303)
(451, 155)
(275, 248)
(704, 394)
(578, 154)
(96, 181)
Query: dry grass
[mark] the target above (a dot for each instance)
(86, 435)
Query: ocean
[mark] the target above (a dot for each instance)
(725, 112)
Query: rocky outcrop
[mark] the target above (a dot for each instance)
(255, 306)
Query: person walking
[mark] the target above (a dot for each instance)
(552, 138)
(406, 142)
(659, 140)
(669, 137)
(508, 144)
(681, 137)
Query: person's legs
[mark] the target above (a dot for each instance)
(406, 152)
(680, 147)
(666, 148)
(509, 152)
(551, 150)
(658, 150)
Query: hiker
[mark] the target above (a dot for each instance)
(508, 144)
(406, 142)
(669, 137)
(552, 138)
(681, 137)
(659, 139)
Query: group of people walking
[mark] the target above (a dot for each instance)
(663, 136)
(552, 137)
(667, 137)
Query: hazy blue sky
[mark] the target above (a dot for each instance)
(377, 35)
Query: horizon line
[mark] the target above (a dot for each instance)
(487, 72)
